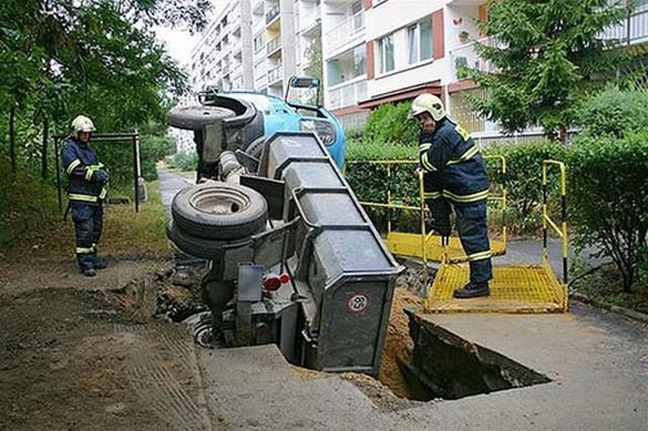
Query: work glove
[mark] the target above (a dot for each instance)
(100, 176)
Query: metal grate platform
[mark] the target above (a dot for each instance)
(514, 289)
(409, 244)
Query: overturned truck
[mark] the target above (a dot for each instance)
(294, 260)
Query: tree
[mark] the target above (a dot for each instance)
(546, 56)
(315, 66)
(59, 58)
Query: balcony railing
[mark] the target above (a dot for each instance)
(226, 68)
(273, 44)
(347, 93)
(308, 18)
(634, 29)
(466, 56)
(272, 13)
(274, 75)
(346, 31)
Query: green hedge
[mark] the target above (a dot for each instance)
(183, 162)
(608, 189)
(389, 123)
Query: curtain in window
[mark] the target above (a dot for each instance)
(389, 53)
(412, 44)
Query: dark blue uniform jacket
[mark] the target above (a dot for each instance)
(80, 162)
(453, 165)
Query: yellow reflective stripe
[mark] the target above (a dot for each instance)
(470, 153)
(84, 250)
(424, 147)
(479, 256)
(432, 195)
(103, 193)
(426, 163)
(96, 167)
(466, 198)
(84, 198)
(89, 172)
(72, 165)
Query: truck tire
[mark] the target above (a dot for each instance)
(219, 211)
(196, 117)
(193, 245)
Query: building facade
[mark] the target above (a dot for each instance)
(372, 51)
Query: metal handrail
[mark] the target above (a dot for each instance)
(547, 221)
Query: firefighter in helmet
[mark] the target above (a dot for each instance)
(87, 191)
(455, 177)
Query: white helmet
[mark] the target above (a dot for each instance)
(427, 103)
(82, 124)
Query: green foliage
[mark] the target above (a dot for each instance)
(615, 112)
(60, 58)
(608, 190)
(544, 54)
(388, 123)
(315, 66)
(183, 162)
(524, 180)
(153, 149)
(373, 149)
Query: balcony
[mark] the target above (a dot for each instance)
(226, 69)
(632, 30)
(347, 31)
(257, 7)
(308, 19)
(272, 14)
(348, 93)
(274, 75)
(466, 56)
(273, 45)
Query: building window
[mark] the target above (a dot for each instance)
(462, 111)
(419, 41)
(360, 60)
(259, 41)
(386, 54)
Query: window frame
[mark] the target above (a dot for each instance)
(382, 55)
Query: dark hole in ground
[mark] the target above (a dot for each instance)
(422, 361)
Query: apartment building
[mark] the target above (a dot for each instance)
(387, 51)
(373, 51)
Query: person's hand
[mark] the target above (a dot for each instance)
(100, 176)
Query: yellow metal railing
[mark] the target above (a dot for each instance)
(547, 221)
(421, 208)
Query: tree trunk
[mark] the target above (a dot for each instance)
(12, 140)
(44, 148)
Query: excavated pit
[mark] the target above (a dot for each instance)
(421, 361)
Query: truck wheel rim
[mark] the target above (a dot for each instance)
(219, 202)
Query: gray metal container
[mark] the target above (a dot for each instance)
(343, 269)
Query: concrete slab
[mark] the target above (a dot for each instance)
(254, 388)
(598, 364)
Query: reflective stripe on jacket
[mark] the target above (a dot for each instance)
(453, 165)
(80, 162)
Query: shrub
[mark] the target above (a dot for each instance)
(389, 123)
(153, 149)
(524, 180)
(183, 162)
(375, 149)
(609, 197)
(615, 112)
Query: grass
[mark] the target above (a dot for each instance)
(125, 234)
(604, 285)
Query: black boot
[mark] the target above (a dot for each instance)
(89, 272)
(100, 263)
(472, 290)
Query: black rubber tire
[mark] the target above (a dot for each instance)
(197, 116)
(192, 245)
(243, 211)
